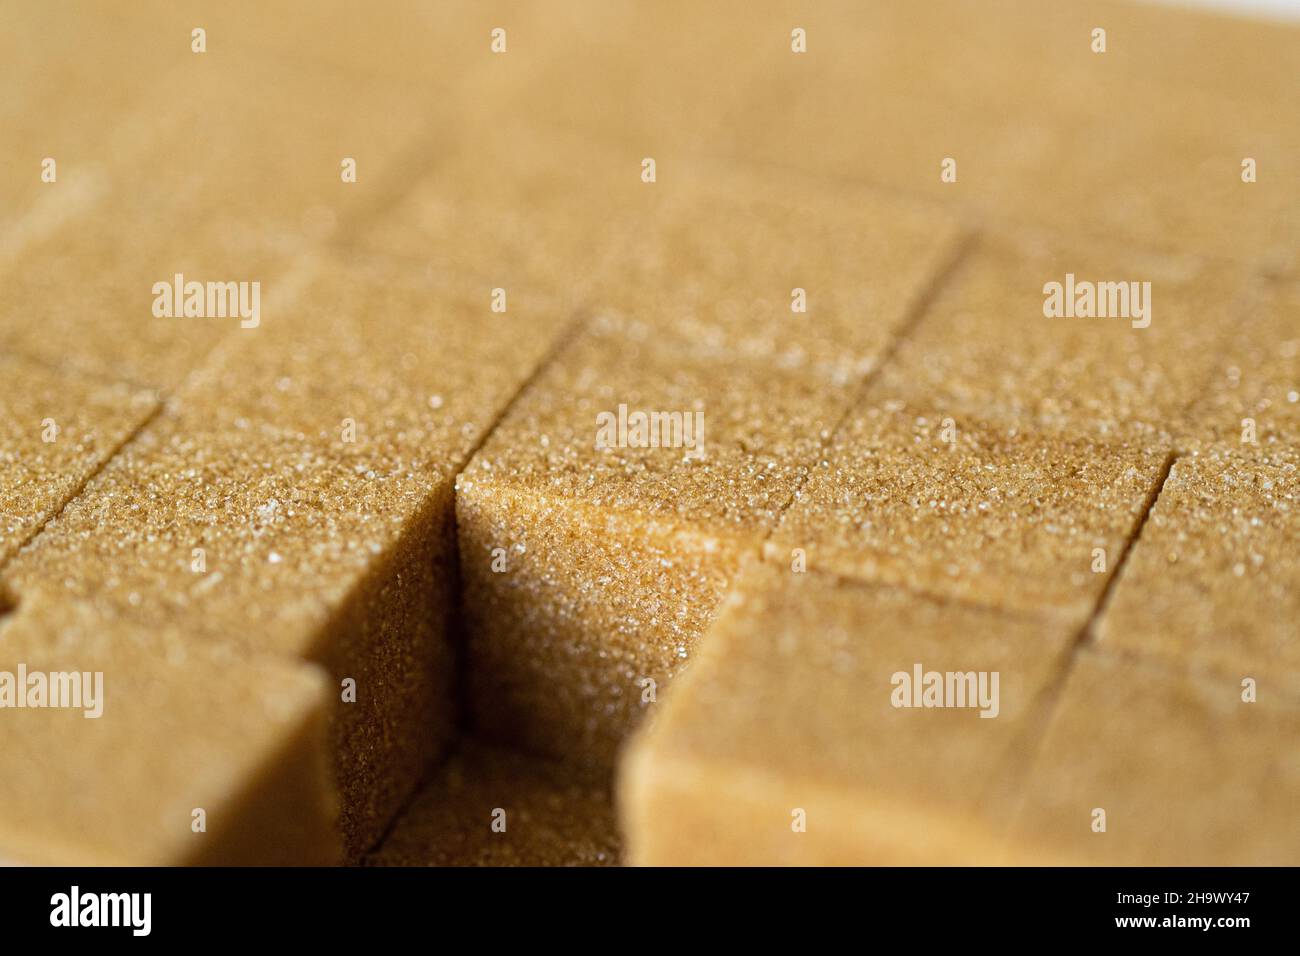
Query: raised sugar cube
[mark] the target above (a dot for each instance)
(829, 722)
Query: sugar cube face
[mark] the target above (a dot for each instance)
(1253, 399)
(960, 508)
(203, 186)
(988, 348)
(1143, 765)
(55, 434)
(239, 771)
(490, 806)
(1212, 581)
(802, 734)
(68, 112)
(782, 279)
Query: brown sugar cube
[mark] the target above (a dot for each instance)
(531, 208)
(1213, 580)
(199, 180)
(62, 110)
(489, 806)
(716, 264)
(987, 347)
(55, 432)
(682, 73)
(143, 748)
(803, 278)
(295, 499)
(963, 509)
(807, 730)
(1040, 126)
(590, 571)
(392, 43)
(1253, 398)
(1179, 769)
